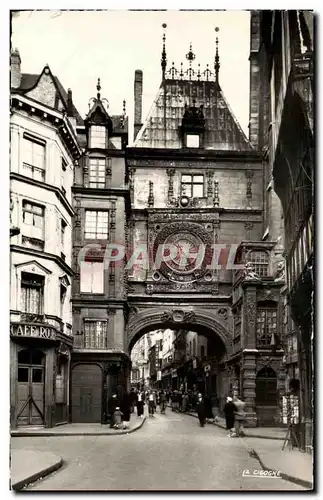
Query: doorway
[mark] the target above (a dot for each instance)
(31, 385)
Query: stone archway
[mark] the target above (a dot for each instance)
(199, 320)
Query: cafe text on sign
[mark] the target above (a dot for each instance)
(44, 332)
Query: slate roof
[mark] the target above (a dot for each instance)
(29, 81)
(222, 130)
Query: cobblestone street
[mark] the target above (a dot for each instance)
(170, 452)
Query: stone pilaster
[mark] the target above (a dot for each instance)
(249, 353)
(249, 386)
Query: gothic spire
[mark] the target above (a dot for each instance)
(217, 59)
(163, 58)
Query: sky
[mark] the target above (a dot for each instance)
(80, 46)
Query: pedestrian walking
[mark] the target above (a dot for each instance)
(163, 401)
(208, 408)
(200, 408)
(240, 415)
(185, 402)
(140, 404)
(125, 407)
(229, 412)
(151, 403)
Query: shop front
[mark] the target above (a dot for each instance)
(39, 375)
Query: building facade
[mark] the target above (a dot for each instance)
(184, 158)
(284, 52)
(101, 202)
(43, 151)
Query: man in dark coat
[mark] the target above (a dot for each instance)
(229, 412)
(200, 408)
(208, 407)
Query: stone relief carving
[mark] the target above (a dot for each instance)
(249, 273)
(216, 199)
(223, 313)
(151, 194)
(249, 175)
(280, 272)
(210, 174)
(177, 316)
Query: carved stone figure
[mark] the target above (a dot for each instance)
(280, 271)
(249, 272)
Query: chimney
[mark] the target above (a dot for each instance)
(70, 109)
(138, 102)
(15, 71)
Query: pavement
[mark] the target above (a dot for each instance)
(255, 432)
(77, 430)
(170, 453)
(26, 466)
(30, 465)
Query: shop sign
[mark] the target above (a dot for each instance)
(207, 368)
(174, 373)
(159, 375)
(194, 364)
(35, 331)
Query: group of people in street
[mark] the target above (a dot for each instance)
(121, 408)
(233, 411)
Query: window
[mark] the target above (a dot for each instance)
(97, 172)
(266, 326)
(33, 158)
(63, 227)
(98, 137)
(33, 215)
(32, 290)
(64, 167)
(202, 351)
(91, 275)
(266, 387)
(259, 261)
(192, 141)
(192, 186)
(96, 334)
(62, 299)
(96, 225)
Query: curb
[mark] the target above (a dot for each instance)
(62, 433)
(243, 434)
(34, 477)
(287, 477)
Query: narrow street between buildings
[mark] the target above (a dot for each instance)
(170, 452)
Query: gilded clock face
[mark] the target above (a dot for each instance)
(184, 250)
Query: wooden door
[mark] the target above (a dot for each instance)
(31, 385)
(86, 393)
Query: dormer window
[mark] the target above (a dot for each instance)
(192, 141)
(98, 137)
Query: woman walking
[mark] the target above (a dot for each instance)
(140, 404)
(200, 408)
(229, 412)
(126, 410)
(151, 403)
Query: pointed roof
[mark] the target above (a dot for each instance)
(30, 81)
(98, 114)
(222, 130)
(201, 99)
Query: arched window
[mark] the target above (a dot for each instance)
(266, 387)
